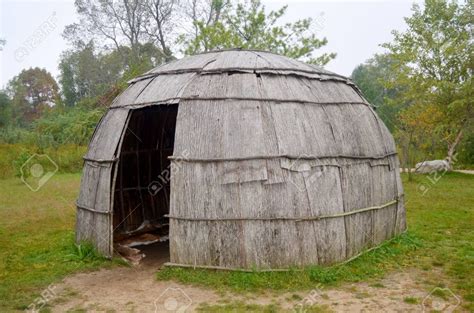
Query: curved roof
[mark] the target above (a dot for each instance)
(191, 77)
(241, 104)
(239, 60)
(265, 141)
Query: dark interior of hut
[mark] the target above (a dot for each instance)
(142, 186)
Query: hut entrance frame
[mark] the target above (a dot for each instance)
(245, 118)
(125, 189)
(142, 188)
(142, 185)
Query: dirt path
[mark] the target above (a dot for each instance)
(465, 171)
(135, 289)
(459, 171)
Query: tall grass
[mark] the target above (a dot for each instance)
(62, 134)
(68, 158)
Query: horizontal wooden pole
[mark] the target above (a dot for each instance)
(221, 268)
(295, 219)
(99, 160)
(82, 207)
(293, 157)
(299, 269)
(249, 70)
(175, 100)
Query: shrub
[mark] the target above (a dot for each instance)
(68, 158)
(69, 127)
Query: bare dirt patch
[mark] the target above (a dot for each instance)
(135, 289)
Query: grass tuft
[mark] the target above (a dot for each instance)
(37, 245)
(440, 235)
(37, 239)
(370, 264)
(239, 307)
(85, 252)
(411, 300)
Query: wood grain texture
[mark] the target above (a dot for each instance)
(286, 164)
(106, 137)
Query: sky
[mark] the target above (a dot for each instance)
(354, 29)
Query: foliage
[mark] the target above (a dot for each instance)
(62, 134)
(248, 25)
(370, 78)
(126, 26)
(432, 65)
(33, 91)
(419, 129)
(465, 154)
(86, 74)
(11, 134)
(67, 157)
(67, 80)
(74, 126)
(5, 109)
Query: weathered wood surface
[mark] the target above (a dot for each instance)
(171, 88)
(93, 221)
(241, 129)
(286, 164)
(107, 135)
(94, 210)
(249, 216)
(243, 61)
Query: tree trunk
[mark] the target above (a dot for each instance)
(452, 147)
(408, 157)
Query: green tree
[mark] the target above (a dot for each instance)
(5, 109)
(371, 78)
(67, 80)
(81, 74)
(248, 25)
(126, 26)
(86, 74)
(33, 91)
(433, 65)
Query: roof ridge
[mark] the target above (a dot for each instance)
(194, 63)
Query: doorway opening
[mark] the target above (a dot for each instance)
(142, 187)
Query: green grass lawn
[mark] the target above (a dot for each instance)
(37, 239)
(440, 234)
(443, 219)
(37, 246)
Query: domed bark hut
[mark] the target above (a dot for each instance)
(253, 159)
